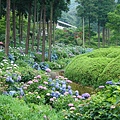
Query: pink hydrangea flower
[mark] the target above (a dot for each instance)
(66, 93)
(39, 76)
(45, 82)
(30, 82)
(68, 81)
(79, 96)
(35, 80)
(48, 70)
(51, 99)
(70, 105)
(40, 87)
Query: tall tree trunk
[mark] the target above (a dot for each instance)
(7, 28)
(33, 36)
(89, 31)
(19, 31)
(53, 33)
(103, 36)
(50, 40)
(83, 34)
(43, 41)
(39, 32)
(0, 7)
(108, 39)
(98, 35)
(28, 30)
(21, 28)
(14, 24)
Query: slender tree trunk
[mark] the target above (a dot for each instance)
(33, 36)
(7, 28)
(21, 28)
(0, 7)
(28, 30)
(39, 33)
(89, 31)
(83, 34)
(53, 33)
(19, 31)
(14, 25)
(43, 41)
(103, 36)
(98, 35)
(108, 37)
(50, 40)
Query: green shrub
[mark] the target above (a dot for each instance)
(104, 105)
(2, 55)
(28, 73)
(38, 57)
(14, 109)
(111, 71)
(95, 68)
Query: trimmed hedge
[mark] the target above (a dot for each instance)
(95, 68)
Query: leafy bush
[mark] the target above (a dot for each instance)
(2, 55)
(28, 73)
(13, 109)
(105, 104)
(95, 68)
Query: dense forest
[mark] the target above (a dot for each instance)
(25, 19)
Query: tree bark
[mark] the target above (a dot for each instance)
(7, 28)
(50, 40)
(14, 24)
(83, 34)
(21, 28)
(39, 33)
(19, 31)
(28, 30)
(33, 36)
(89, 31)
(43, 41)
(98, 35)
(53, 33)
(103, 36)
(0, 7)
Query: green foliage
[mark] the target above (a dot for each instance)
(38, 57)
(28, 73)
(104, 104)
(2, 55)
(95, 68)
(13, 109)
(111, 71)
(62, 102)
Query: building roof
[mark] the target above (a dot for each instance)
(66, 24)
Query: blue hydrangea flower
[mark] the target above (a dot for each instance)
(70, 92)
(63, 85)
(9, 79)
(76, 92)
(109, 82)
(12, 93)
(69, 87)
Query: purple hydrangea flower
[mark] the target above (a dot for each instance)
(86, 95)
